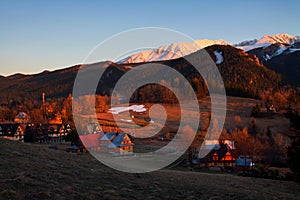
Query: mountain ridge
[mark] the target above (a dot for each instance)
(180, 49)
(172, 51)
(267, 40)
(243, 74)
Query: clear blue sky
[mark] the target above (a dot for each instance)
(39, 35)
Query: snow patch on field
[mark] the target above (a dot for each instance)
(134, 108)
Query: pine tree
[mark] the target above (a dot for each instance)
(293, 151)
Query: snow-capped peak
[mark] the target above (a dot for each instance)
(205, 42)
(172, 51)
(180, 49)
(165, 52)
(267, 40)
(278, 38)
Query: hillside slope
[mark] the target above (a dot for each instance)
(32, 171)
(56, 84)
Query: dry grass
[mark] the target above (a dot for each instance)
(30, 171)
(237, 108)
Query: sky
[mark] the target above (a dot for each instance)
(47, 35)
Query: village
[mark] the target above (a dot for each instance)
(222, 157)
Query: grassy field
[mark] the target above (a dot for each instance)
(238, 114)
(32, 171)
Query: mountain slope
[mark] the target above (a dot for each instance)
(279, 53)
(243, 74)
(55, 84)
(287, 64)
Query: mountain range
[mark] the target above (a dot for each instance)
(279, 53)
(286, 43)
(172, 51)
(244, 73)
(267, 40)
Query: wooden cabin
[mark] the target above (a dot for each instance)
(116, 143)
(12, 131)
(221, 156)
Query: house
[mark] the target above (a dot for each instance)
(20, 133)
(22, 118)
(64, 130)
(105, 140)
(93, 128)
(52, 132)
(221, 156)
(244, 163)
(270, 108)
(12, 131)
(116, 143)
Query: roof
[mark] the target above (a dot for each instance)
(22, 115)
(118, 139)
(91, 140)
(215, 144)
(107, 136)
(115, 139)
(243, 161)
(221, 152)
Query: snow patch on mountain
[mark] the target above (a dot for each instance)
(292, 50)
(267, 57)
(219, 57)
(281, 49)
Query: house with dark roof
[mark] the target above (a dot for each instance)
(53, 132)
(12, 131)
(221, 156)
(116, 143)
(64, 130)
